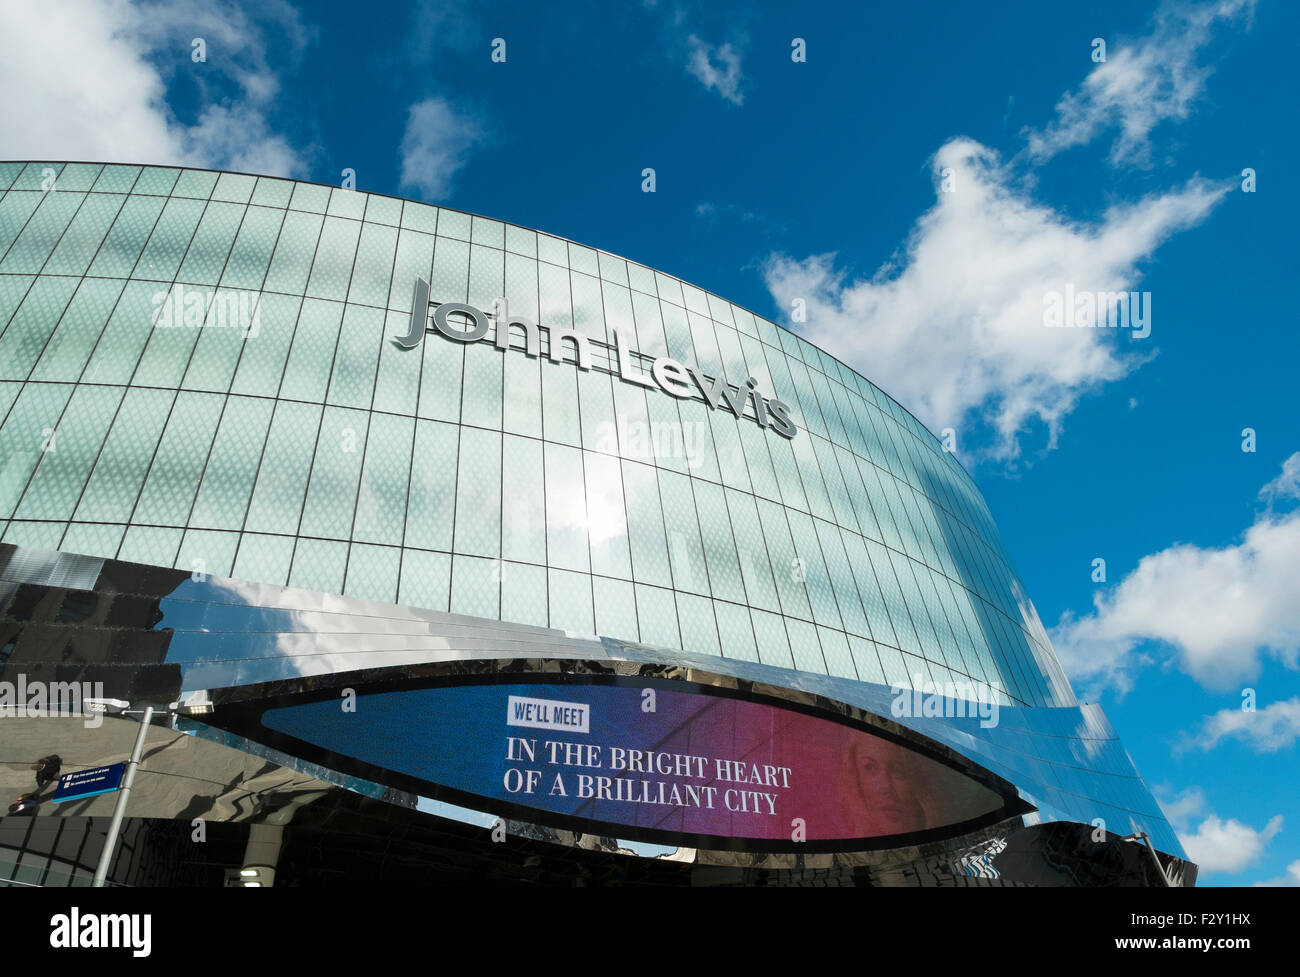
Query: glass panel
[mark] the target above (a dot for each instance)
(195, 183)
(114, 179)
(286, 458)
(425, 579)
(312, 353)
(374, 266)
(292, 260)
(69, 455)
(32, 324)
(335, 471)
(566, 509)
(206, 258)
(332, 269)
(178, 465)
(82, 239)
(29, 253)
(250, 258)
(606, 516)
(150, 545)
(524, 598)
(271, 192)
(657, 616)
(478, 502)
(381, 502)
(645, 526)
(234, 187)
(476, 587)
(124, 461)
(67, 351)
(319, 564)
(432, 504)
(156, 180)
(615, 606)
(169, 241)
(523, 512)
(398, 388)
(262, 356)
(210, 553)
(264, 559)
(357, 357)
(131, 229)
(372, 572)
(227, 485)
(570, 601)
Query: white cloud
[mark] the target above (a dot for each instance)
(717, 68)
(955, 328)
(1287, 484)
(1183, 808)
(89, 81)
(437, 25)
(716, 213)
(1139, 85)
(1217, 608)
(1228, 846)
(239, 138)
(1267, 730)
(437, 143)
(1216, 845)
(1291, 878)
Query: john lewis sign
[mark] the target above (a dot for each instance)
(470, 325)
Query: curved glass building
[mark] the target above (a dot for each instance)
(462, 528)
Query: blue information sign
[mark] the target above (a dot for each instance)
(88, 783)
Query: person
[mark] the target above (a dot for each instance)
(880, 784)
(47, 769)
(25, 805)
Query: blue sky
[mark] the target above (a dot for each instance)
(824, 181)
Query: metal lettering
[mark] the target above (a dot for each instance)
(666, 373)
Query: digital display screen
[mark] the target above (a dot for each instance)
(647, 757)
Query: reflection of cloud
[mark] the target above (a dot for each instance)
(606, 519)
(600, 515)
(324, 635)
(1086, 737)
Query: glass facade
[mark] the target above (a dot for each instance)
(287, 441)
(198, 371)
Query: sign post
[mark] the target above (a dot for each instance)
(115, 826)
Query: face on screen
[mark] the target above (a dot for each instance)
(880, 777)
